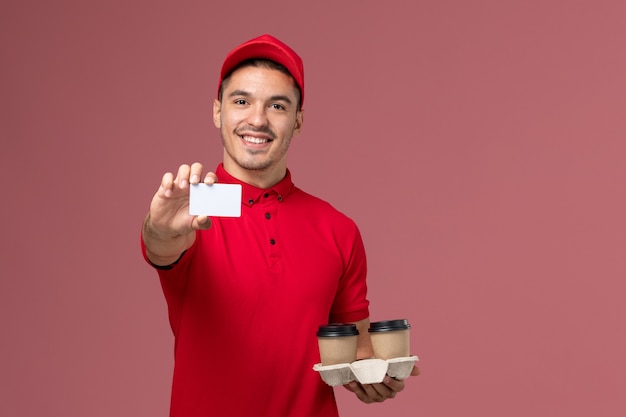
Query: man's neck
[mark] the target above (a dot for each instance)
(263, 179)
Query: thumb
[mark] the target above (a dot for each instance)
(202, 223)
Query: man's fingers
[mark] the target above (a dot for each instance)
(202, 222)
(378, 392)
(195, 173)
(167, 182)
(210, 178)
(357, 389)
(393, 384)
(370, 393)
(192, 175)
(182, 178)
(186, 175)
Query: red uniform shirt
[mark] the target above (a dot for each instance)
(246, 299)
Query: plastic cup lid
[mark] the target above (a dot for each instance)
(337, 330)
(389, 325)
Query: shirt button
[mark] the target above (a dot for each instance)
(267, 216)
(272, 242)
(280, 198)
(266, 195)
(251, 201)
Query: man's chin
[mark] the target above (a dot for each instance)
(254, 165)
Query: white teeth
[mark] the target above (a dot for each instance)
(254, 140)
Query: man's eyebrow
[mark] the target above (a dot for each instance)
(239, 93)
(244, 93)
(281, 98)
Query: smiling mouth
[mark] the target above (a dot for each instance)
(255, 140)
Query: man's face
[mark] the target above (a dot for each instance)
(257, 117)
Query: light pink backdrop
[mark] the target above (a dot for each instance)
(480, 145)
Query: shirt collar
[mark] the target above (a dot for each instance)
(252, 194)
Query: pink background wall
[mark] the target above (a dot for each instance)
(480, 145)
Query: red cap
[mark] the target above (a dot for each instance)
(266, 47)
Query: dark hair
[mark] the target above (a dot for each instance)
(261, 63)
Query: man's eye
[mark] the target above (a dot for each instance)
(240, 101)
(278, 106)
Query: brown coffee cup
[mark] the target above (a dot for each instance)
(337, 343)
(390, 338)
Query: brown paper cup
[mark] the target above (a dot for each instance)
(390, 339)
(337, 343)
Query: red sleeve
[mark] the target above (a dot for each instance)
(173, 279)
(351, 303)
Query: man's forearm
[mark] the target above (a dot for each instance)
(162, 249)
(364, 347)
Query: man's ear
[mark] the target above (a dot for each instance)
(217, 109)
(297, 128)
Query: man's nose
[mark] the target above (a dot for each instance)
(257, 115)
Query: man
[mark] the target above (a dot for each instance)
(246, 295)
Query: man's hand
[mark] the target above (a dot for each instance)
(169, 229)
(373, 393)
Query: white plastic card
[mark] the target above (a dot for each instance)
(219, 200)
